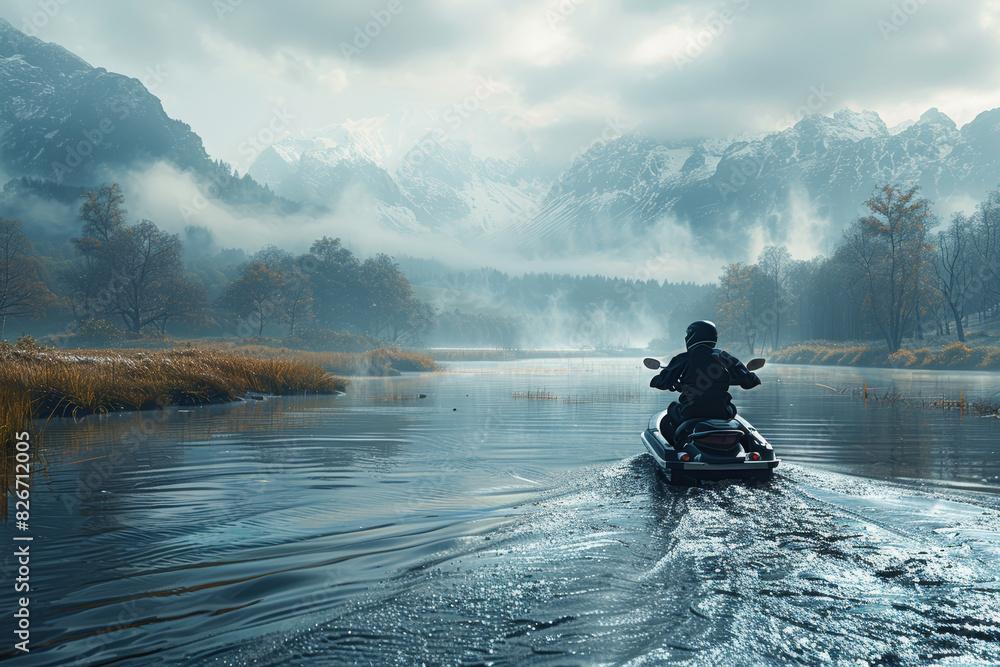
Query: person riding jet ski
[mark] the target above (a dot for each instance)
(703, 375)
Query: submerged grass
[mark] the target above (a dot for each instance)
(983, 407)
(537, 395)
(597, 398)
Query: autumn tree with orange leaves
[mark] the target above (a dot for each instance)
(744, 296)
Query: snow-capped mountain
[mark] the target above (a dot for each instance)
(613, 186)
(725, 192)
(425, 175)
(425, 166)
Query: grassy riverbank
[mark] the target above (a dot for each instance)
(39, 383)
(956, 356)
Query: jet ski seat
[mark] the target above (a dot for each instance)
(723, 432)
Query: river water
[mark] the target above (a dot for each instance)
(511, 517)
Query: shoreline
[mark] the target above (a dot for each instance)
(42, 382)
(953, 357)
(38, 383)
(446, 354)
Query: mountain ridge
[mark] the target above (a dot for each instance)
(65, 122)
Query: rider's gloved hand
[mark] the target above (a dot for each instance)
(659, 381)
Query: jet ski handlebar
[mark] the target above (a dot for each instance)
(654, 364)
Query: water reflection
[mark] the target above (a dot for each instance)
(811, 424)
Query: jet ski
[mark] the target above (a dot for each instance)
(709, 449)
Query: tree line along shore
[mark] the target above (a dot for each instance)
(898, 273)
(118, 280)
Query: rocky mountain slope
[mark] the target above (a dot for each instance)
(65, 123)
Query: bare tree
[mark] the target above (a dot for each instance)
(90, 280)
(953, 268)
(255, 296)
(889, 249)
(181, 299)
(123, 270)
(147, 263)
(986, 243)
(22, 292)
(297, 294)
(775, 262)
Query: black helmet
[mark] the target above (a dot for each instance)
(701, 332)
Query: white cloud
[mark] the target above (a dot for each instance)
(663, 45)
(557, 59)
(532, 38)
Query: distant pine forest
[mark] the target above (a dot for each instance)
(898, 272)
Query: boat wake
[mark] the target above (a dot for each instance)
(614, 566)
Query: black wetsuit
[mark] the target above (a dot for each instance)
(703, 375)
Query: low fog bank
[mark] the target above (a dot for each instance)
(646, 285)
(668, 250)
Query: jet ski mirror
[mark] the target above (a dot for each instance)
(754, 364)
(651, 364)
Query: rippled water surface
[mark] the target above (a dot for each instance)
(510, 516)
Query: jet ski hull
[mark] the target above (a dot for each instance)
(707, 465)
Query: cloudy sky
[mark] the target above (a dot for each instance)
(563, 69)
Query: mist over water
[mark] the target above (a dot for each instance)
(175, 200)
(474, 526)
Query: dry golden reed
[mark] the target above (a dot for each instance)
(43, 383)
(374, 362)
(956, 356)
